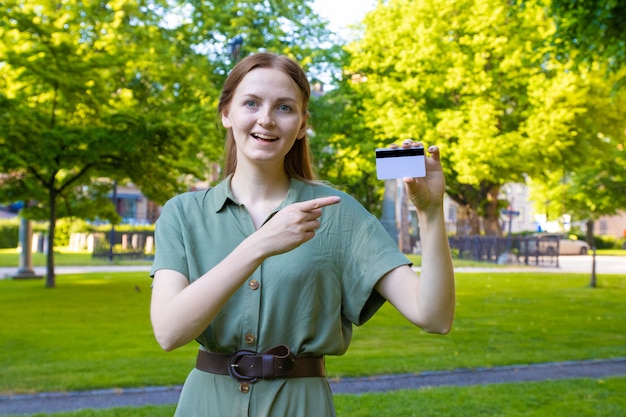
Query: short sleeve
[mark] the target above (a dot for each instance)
(367, 252)
(169, 239)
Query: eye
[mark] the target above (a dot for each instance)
(284, 108)
(250, 103)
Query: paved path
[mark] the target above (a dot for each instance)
(137, 397)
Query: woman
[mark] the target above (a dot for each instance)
(269, 270)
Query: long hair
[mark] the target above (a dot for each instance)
(298, 160)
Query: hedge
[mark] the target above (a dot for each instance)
(9, 233)
(10, 230)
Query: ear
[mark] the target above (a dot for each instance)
(303, 127)
(225, 120)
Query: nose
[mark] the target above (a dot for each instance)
(265, 118)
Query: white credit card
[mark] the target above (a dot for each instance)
(400, 163)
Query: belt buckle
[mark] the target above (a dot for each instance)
(233, 365)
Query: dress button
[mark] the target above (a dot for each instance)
(244, 388)
(254, 284)
(250, 338)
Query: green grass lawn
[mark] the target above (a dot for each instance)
(93, 331)
(571, 398)
(63, 257)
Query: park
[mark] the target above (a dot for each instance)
(113, 105)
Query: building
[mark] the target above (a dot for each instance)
(132, 206)
(520, 215)
(612, 225)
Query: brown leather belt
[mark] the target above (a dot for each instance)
(251, 367)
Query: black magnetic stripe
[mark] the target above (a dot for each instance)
(393, 153)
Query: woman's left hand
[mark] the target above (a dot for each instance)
(426, 192)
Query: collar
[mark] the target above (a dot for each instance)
(222, 194)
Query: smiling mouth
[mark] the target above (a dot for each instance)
(264, 138)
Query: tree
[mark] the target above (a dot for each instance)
(595, 185)
(590, 31)
(82, 100)
(288, 27)
(480, 79)
(94, 92)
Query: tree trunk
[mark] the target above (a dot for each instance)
(467, 222)
(50, 278)
(589, 233)
(492, 216)
(474, 223)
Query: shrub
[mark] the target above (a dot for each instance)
(9, 233)
(605, 242)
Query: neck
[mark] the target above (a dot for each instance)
(258, 185)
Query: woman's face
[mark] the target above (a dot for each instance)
(266, 116)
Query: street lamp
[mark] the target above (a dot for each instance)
(112, 232)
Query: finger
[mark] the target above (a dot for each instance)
(434, 153)
(411, 185)
(410, 143)
(317, 203)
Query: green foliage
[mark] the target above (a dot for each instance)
(594, 184)
(606, 242)
(590, 30)
(456, 75)
(600, 188)
(119, 228)
(94, 106)
(115, 90)
(343, 146)
(9, 230)
(483, 80)
(9, 233)
(63, 231)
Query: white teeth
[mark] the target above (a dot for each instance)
(264, 137)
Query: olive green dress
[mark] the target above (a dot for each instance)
(308, 298)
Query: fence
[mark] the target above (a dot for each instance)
(128, 245)
(535, 251)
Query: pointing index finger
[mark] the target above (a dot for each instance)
(317, 203)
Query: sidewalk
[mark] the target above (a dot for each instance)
(52, 402)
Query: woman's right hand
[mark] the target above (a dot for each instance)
(180, 311)
(293, 225)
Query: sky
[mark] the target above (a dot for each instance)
(341, 13)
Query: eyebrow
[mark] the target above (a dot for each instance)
(279, 99)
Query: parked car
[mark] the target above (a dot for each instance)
(568, 245)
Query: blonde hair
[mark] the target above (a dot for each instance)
(298, 162)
